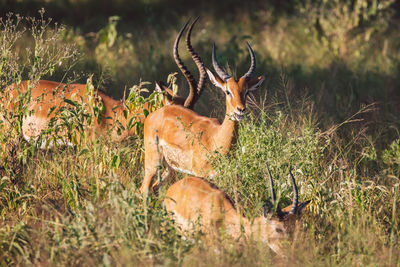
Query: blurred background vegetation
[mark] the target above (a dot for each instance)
(330, 107)
(342, 54)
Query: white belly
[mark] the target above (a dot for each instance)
(32, 127)
(176, 158)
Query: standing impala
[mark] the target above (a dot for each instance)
(187, 138)
(48, 95)
(193, 200)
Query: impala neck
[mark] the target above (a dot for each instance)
(227, 134)
(114, 111)
(236, 225)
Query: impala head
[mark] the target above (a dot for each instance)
(276, 226)
(235, 91)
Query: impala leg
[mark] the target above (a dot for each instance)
(150, 171)
(151, 160)
(167, 174)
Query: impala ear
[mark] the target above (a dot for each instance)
(267, 208)
(299, 209)
(158, 87)
(254, 83)
(215, 80)
(301, 206)
(168, 94)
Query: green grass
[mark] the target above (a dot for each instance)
(328, 109)
(70, 207)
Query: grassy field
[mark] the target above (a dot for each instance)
(329, 108)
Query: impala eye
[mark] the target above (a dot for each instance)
(227, 92)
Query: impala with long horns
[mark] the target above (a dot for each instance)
(187, 139)
(193, 200)
(49, 95)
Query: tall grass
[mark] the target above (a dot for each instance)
(77, 207)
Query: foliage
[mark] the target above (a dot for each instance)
(326, 62)
(146, 105)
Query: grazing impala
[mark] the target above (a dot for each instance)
(193, 200)
(49, 95)
(187, 138)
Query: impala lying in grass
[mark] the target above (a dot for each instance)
(48, 97)
(193, 200)
(187, 139)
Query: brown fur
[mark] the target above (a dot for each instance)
(193, 200)
(188, 139)
(48, 94)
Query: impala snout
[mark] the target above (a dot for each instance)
(239, 113)
(241, 109)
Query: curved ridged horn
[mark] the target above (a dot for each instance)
(200, 65)
(222, 74)
(191, 81)
(273, 196)
(271, 183)
(252, 68)
(295, 202)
